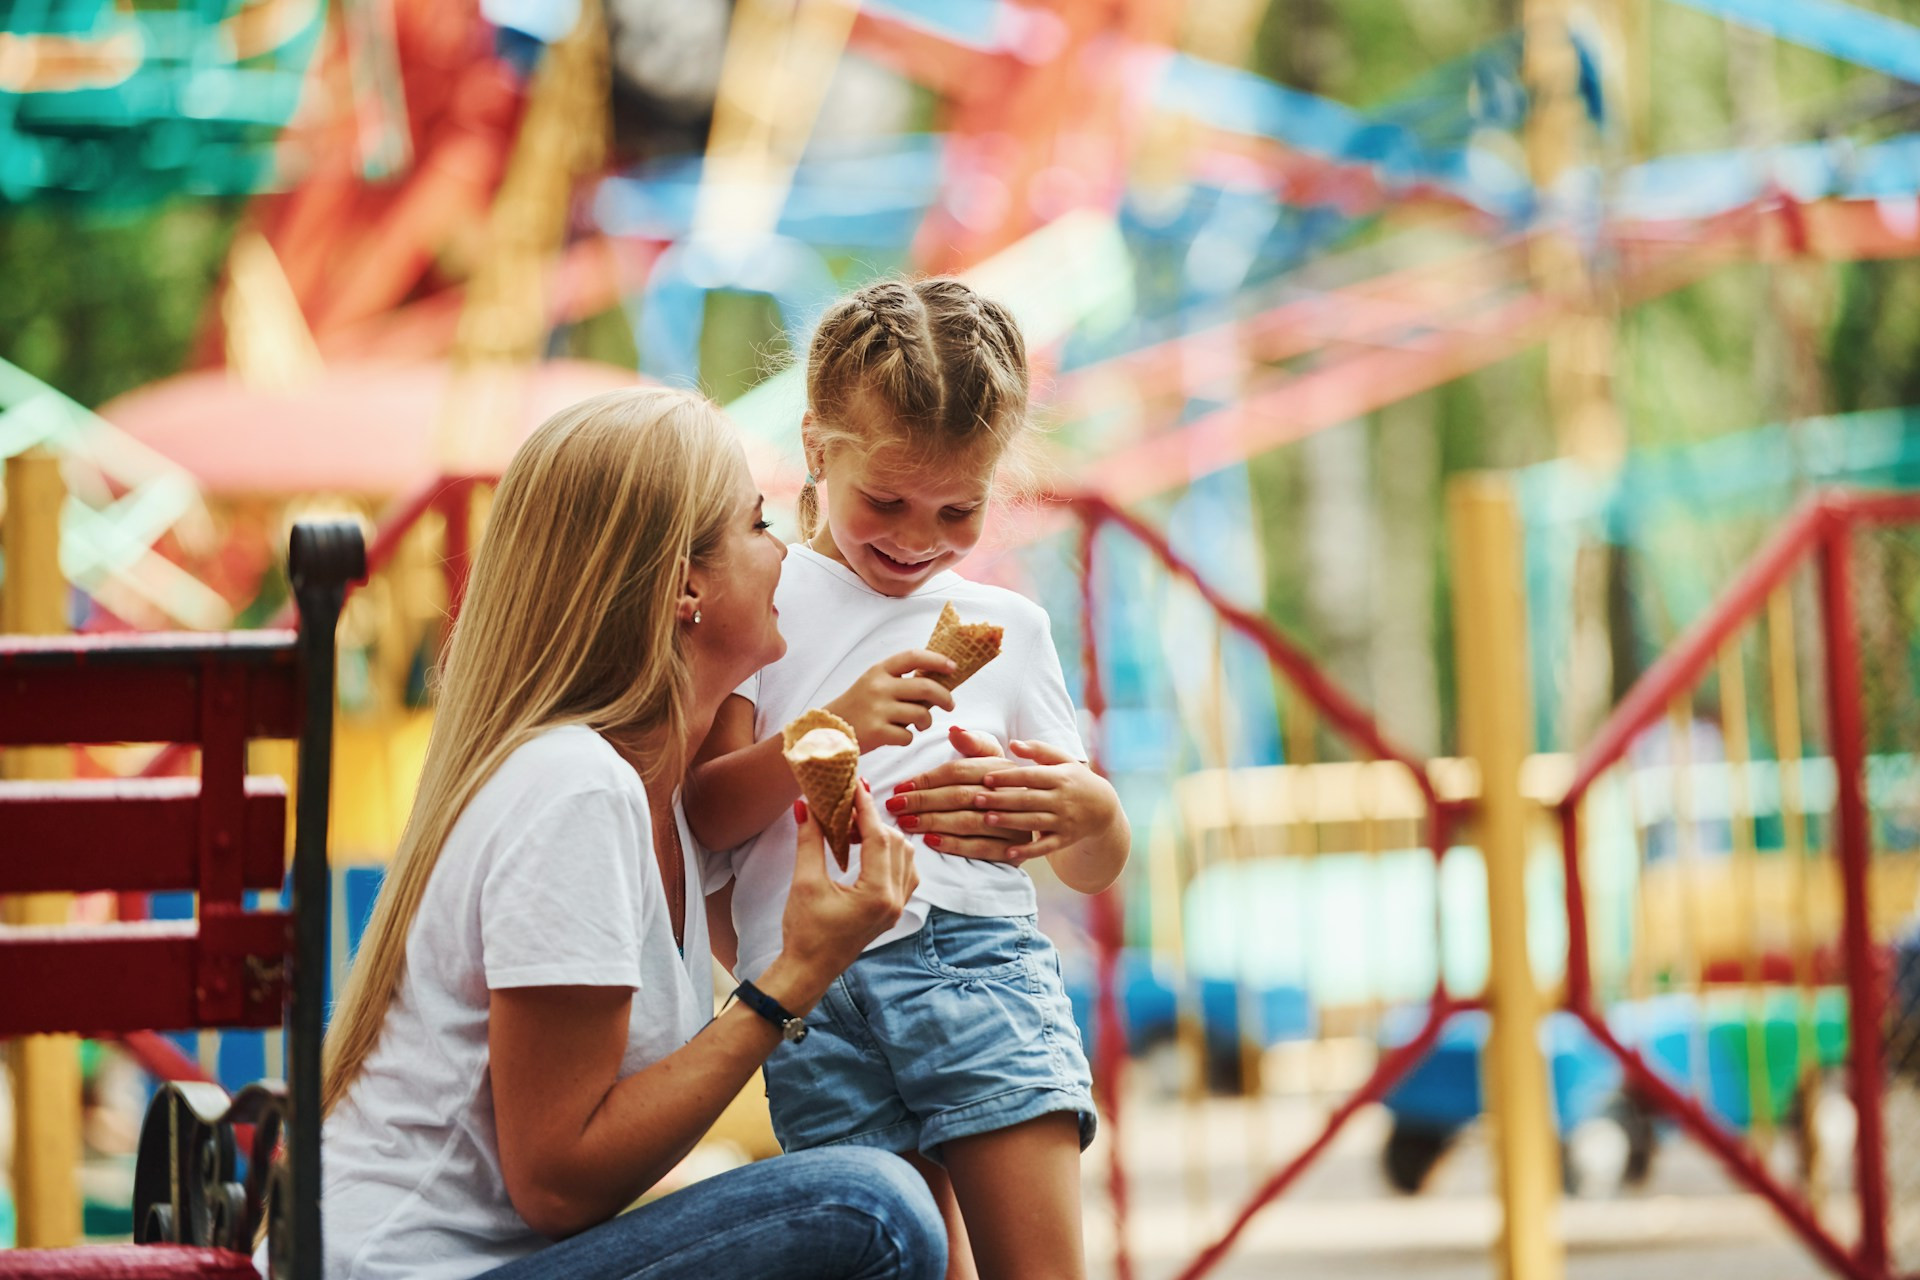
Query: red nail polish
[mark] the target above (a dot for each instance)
(799, 810)
(895, 804)
(908, 822)
(933, 842)
(903, 787)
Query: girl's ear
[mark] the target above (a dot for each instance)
(810, 445)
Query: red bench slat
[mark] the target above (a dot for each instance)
(153, 975)
(126, 1262)
(56, 690)
(133, 835)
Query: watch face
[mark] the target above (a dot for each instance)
(794, 1032)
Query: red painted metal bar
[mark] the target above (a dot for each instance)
(1385, 1075)
(1109, 920)
(1740, 1162)
(1332, 703)
(456, 508)
(1876, 508)
(1682, 666)
(1579, 949)
(1850, 803)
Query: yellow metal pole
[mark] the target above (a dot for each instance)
(1489, 610)
(46, 1069)
(1746, 874)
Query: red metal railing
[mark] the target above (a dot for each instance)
(1360, 729)
(1820, 534)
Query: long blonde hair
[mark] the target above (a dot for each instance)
(569, 619)
(945, 365)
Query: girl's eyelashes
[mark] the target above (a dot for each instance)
(883, 504)
(960, 513)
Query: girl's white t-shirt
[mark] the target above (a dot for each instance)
(836, 628)
(547, 879)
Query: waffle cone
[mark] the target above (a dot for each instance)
(826, 781)
(971, 645)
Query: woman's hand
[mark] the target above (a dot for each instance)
(992, 809)
(888, 702)
(939, 805)
(827, 925)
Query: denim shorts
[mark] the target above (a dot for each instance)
(959, 1029)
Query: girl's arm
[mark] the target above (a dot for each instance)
(577, 1143)
(737, 786)
(722, 939)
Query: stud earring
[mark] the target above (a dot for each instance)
(696, 616)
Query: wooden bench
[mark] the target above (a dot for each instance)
(222, 836)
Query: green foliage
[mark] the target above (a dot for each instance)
(97, 306)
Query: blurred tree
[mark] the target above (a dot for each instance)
(98, 305)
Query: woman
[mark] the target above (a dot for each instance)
(524, 1045)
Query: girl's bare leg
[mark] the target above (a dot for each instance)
(1019, 1190)
(959, 1253)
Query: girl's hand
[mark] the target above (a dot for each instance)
(827, 925)
(888, 702)
(1057, 797)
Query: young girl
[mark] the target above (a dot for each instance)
(951, 1039)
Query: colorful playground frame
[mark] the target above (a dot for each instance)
(1821, 531)
(1096, 513)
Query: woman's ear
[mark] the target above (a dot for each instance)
(686, 604)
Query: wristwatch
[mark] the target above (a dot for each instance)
(793, 1029)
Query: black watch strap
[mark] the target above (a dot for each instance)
(793, 1029)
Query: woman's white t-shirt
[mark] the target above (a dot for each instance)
(547, 879)
(836, 628)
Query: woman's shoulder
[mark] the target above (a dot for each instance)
(568, 759)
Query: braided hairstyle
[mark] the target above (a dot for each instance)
(945, 367)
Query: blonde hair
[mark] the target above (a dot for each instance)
(941, 366)
(568, 619)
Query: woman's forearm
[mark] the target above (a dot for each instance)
(649, 1121)
(734, 797)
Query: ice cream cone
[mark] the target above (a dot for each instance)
(971, 645)
(827, 771)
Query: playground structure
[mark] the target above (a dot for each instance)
(1264, 791)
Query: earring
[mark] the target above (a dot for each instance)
(696, 616)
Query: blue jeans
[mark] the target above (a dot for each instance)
(846, 1213)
